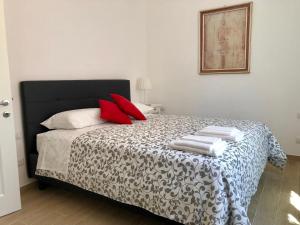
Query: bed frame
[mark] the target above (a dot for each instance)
(42, 99)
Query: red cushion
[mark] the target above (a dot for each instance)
(126, 106)
(111, 112)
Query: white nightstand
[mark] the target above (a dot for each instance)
(157, 108)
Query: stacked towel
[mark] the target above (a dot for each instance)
(225, 133)
(210, 140)
(203, 139)
(200, 144)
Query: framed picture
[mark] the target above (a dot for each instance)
(225, 39)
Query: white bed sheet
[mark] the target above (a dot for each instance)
(54, 147)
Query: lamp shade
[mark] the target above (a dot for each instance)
(144, 84)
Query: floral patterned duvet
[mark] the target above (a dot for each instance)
(133, 164)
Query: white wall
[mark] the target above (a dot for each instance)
(73, 39)
(270, 93)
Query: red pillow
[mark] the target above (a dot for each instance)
(111, 112)
(126, 106)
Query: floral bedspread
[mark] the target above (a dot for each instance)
(133, 164)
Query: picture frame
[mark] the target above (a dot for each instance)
(225, 36)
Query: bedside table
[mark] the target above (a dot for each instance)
(157, 108)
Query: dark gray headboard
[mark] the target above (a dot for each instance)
(42, 99)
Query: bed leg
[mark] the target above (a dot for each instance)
(42, 185)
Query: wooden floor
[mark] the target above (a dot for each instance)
(277, 202)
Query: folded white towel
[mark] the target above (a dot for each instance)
(195, 144)
(215, 149)
(236, 138)
(222, 130)
(203, 139)
(217, 152)
(226, 133)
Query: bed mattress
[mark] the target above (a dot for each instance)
(134, 165)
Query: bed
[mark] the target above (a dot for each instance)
(133, 164)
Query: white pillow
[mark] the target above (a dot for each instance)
(74, 119)
(143, 108)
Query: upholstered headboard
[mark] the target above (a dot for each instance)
(42, 99)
